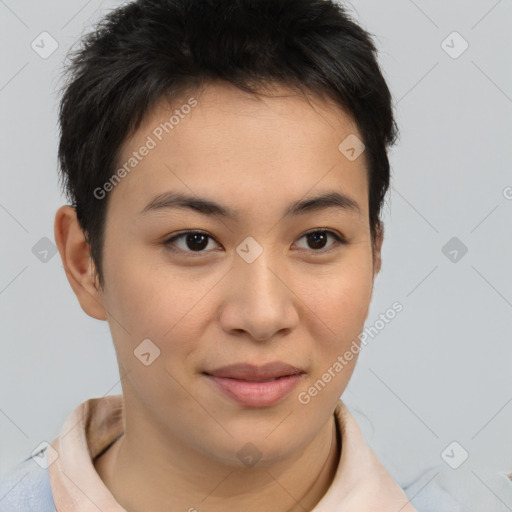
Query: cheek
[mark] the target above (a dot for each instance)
(170, 306)
(347, 304)
(340, 298)
(336, 307)
(147, 302)
(149, 298)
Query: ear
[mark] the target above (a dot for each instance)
(377, 247)
(77, 262)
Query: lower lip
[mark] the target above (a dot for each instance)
(256, 394)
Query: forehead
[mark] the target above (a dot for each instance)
(224, 142)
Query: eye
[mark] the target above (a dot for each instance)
(191, 241)
(198, 241)
(317, 239)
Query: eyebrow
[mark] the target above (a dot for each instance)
(175, 200)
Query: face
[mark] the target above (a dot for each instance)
(272, 279)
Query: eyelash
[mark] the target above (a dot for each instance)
(340, 240)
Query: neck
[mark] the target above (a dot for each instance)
(143, 476)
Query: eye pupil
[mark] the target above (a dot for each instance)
(197, 238)
(318, 238)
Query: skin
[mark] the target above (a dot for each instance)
(295, 303)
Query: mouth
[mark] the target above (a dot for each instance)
(251, 372)
(260, 380)
(256, 386)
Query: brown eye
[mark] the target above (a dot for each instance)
(190, 241)
(317, 240)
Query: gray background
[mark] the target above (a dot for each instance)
(439, 372)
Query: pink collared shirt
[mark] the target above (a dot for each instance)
(360, 484)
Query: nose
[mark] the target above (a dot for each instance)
(259, 301)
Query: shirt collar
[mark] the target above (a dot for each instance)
(361, 483)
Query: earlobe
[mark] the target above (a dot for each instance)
(77, 262)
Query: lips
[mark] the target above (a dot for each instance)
(267, 372)
(256, 386)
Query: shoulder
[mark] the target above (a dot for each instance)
(441, 489)
(26, 487)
